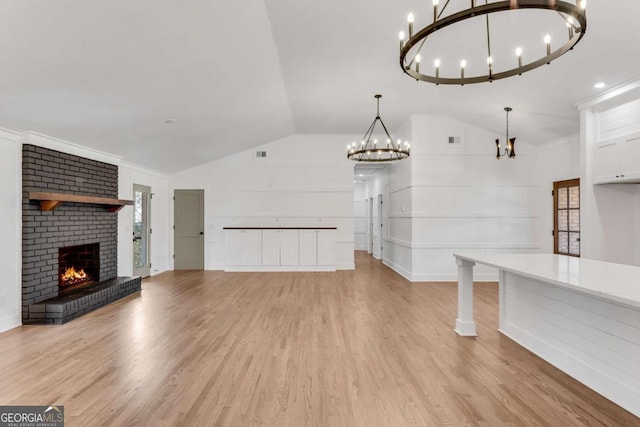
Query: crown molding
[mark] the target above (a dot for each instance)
(628, 87)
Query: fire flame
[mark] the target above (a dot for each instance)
(71, 275)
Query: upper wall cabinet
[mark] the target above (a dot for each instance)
(618, 160)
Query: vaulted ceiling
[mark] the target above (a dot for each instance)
(230, 75)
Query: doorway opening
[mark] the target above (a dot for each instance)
(141, 230)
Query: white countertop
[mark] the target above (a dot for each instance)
(616, 282)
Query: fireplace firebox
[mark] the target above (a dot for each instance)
(78, 266)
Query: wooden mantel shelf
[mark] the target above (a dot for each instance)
(50, 201)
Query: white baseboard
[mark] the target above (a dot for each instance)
(351, 266)
(10, 322)
(431, 277)
(272, 268)
(395, 267)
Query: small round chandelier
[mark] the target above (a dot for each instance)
(412, 48)
(371, 149)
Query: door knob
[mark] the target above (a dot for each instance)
(202, 232)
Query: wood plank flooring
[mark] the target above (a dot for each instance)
(351, 348)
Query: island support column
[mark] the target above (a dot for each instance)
(465, 325)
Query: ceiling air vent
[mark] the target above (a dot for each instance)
(454, 140)
(261, 154)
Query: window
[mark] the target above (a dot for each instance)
(566, 217)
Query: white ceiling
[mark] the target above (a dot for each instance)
(236, 74)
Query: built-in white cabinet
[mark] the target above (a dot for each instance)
(288, 249)
(308, 247)
(326, 244)
(280, 247)
(243, 247)
(617, 160)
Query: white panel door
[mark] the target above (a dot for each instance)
(251, 247)
(631, 159)
(308, 247)
(326, 247)
(376, 229)
(271, 247)
(233, 247)
(289, 247)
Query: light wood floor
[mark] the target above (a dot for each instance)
(363, 348)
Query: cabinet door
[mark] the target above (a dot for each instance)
(251, 247)
(608, 161)
(289, 247)
(326, 247)
(308, 247)
(631, 158)
(608, 167)
(233, 247)
(271, 247)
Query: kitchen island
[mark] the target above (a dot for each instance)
(580, 315)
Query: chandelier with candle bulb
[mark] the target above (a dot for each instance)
(414, 46)
(382, 148)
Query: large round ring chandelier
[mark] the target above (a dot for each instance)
(573, 14)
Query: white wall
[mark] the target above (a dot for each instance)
(128, 175)
(557, 161)
(449, 198)
(10, 230)
(305, 180)
(394, 184)
(359, 206)
(637, 225)
(610, 217)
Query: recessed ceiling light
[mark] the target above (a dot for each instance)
(361, 175)
(599, 85)
(168, 121)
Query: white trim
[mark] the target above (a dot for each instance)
(347, 266)
(410, 186)
(400, 270)
(453, 277)
(142, 169)
(10, 135)
(614, 92)
(458, 215)
(10, 322)
(428, 277)
(277, 215)
(462, 245)
(67, 147)
(271, 268)
(281, 190)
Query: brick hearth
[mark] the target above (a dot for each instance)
(70, 224)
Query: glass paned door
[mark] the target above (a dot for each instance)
(141, 230)
(566, 206)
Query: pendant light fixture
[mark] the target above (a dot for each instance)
(372, 149)
(510, 150)
(416, 46)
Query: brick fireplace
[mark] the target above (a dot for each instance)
(78, 266)
(82, 233)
